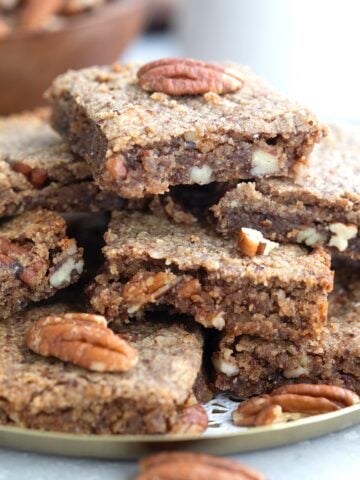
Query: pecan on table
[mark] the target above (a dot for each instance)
(194, 466)
(185, 76)
(82, 339)
(291, 402)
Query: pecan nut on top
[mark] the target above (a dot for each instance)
(83, 339)
(185, 76)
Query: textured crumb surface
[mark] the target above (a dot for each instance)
(320, 207)
(37, 259)
(152, 262)
(247, 365)
(157, 140)
(28, 146)
(47, 394)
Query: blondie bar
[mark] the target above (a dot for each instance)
(322, 206)
(247, 365)
(36, 259)
(152, 262)
(139, 142)
(48, 394)
(38, 170)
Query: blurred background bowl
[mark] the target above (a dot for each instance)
(29, 61)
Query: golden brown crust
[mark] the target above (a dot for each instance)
(163, 140)
(38, 170)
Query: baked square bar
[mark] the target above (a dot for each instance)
(152, 262)
(247, 365)
(322, 206)
(48, 394)
(36, 259)
(140, 143)
(38, 170)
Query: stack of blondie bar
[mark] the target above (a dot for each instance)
(231, 206)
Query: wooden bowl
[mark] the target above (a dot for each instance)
(29, 61)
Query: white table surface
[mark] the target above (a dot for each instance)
(333, 457)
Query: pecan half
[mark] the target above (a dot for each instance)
(191, 420)
(343, 396)
(291, 402)
(194, 466)
(185, 76)
(82, 339)
(36, 176)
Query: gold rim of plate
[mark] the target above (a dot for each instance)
(135, 446)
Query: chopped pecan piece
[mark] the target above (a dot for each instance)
(252, 242)
(188, 289)
(36, 176)
(31, 274)
(144, 288)
(116, 167)
(194, 466)
(185, 76)
(293, 401)
(82, 339)
(11, 248)
(15, 256)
